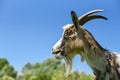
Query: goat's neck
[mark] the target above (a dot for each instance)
(93, 53)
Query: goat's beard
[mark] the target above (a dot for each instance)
(68, 61)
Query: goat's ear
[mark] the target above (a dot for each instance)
(75, 20)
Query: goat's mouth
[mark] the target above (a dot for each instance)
(59, 55)
(68, 60)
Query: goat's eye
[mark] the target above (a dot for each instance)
(68, 32)
(66, 35)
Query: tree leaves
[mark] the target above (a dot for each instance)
(6, 70)
(50, 69)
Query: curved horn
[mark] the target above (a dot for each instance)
(87, 17)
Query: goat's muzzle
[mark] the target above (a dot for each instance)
(58, 53)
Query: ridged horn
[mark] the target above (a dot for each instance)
(88, 16)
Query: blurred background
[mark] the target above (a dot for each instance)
(30, 28)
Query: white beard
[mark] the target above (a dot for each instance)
(68, 61)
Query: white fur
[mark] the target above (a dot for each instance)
(67, 26)
(117, 60)
(59, 42)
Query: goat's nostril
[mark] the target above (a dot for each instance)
(53, 51)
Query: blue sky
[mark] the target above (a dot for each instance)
(30, 28)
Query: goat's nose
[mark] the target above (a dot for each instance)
(53, 51)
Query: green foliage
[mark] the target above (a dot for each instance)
(43, 77)
(7, 72)
(3, 62)
(7, 78)
(49, 66)
(50, 69)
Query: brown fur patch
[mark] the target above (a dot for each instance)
(69, 31)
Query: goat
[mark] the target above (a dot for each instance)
(77, 40)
